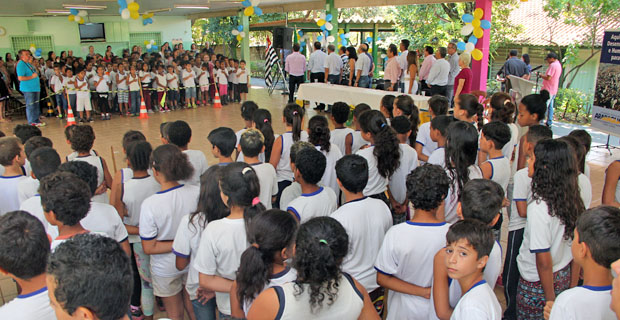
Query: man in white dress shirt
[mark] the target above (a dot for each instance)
(316, 68)
(362, 67)
(333, 68)
(440, 71)
(454, 69)
(402, 61)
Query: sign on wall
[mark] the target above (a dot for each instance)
(606, 110)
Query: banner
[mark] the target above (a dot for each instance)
(606, 110)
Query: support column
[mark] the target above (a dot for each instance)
(245, 42)
(375, 31)
(480, 69)
(331, 9)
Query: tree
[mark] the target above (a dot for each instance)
(591, 14)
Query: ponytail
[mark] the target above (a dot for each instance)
(536, 103)
(294, 114)
(472, 106)
(407, 106)
(210, 205)
(503, 108)
(262, 121)
(319, 132)
(386, 143)
(461, 151)
(240, 183)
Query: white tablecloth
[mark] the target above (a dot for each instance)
(331, 93)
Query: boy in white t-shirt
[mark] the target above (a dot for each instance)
(252, 144)
(595, 247)
(58, 83)
(24, 248)
(44, 160)
(173, 88)
(493, 137)
(223, 141)
(83, 96)
(70, 85)
(232, 79)
(122, 83)
(102, 86)
(437, 106)
(179, 133)
(341, 135)
(161, 85)
(243, 79)
(408, 161)
(410, 246)
(203, 82)
(314, 201)
(438, 132)
(12, 158)
(221, 78)
(468, 245)
(189, 76)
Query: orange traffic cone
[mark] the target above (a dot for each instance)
(143, 113)
(216, 102)
(70, 116)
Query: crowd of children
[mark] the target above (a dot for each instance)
(191, 79)
(388, 219)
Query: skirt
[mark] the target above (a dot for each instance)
(531, 296)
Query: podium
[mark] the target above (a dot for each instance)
(520, 88)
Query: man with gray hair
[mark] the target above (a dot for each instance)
(363, 67)
(440, 71)
(333, 68)
(454, 69)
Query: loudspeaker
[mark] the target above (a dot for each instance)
(283, 38)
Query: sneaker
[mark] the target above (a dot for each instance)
(136, 313)
(151, 111)
(39, 124)
(59, 116)
(167, 110)
(91, 120)
(194, 105)
(162, 109)
(81, 120)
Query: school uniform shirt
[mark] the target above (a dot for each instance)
(188, 83)
(221, 245)
(284, 165)
(290, 193)
(408, 162)
(500, 171)
(133, 192)
(277, 279)
(243, 75)
(160, 216)
(585, 189)
(438, 157)
(160, 78)
(32, 205)
(490, 274)
(543, 233)
(185, 245)
(203, 78)
(357, 142)
(134, 86)
(199, 162)
(221, 76)
(112, 76)
(338, 136)
(268, 182)
(320, 203)
(366, 221)
(376, 183)
(294, 305)
(583, 302)
(27, 188)
(509, 147)
(57, 84)
(424, 138)
(95, 161)
(452, 197)
(407, 253)
(478, 303)
(104, 86)
(329, 176)
(9, 199)
(83, 88)
(173, 81)
(232, 76)
(31, 306)
(122, 81)
(521, 192)
(146, 75)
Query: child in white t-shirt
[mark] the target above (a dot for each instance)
(408, 161)
(494, 136)
(357, 142)
(12, 158)
(252, 144)
(160, 216)
(179, 133)
(43, 161)
(189, 76)
(247, 113)
(232, 79)
(70, 85)
(83, 96)
(438, 133)
(341, 136)
(221, 78)
(173, 88)
(410, 246)
(243, 77)
(122, 83)
(162, 86)
(437, 106)
(203, 82)
(146, 80)
(319, 136)
(469, 243)
(102, 86)
(223, 241)
(314, 201)
(133, 80)
(58, 83)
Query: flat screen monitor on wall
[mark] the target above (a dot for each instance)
(92, 32)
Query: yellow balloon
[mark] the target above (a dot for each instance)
(134, 6)
(82, 20)
(478, 14)
(71, 17)
(478, 33)
(239, 37)
(146, 42)
(476, 54)
(320, 23)
(476, 23)
(369, 50)
(248, 11)
(134, 14)
(340, 30)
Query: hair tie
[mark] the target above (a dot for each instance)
(266, 120)
(382, 125)
(323, 241)
(255, 201)
(295, 113)
(246, 170)
(507, 101)
(255, 245)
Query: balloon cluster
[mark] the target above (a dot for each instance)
(251, 7)
(344, 37)
(150, 45)
(36, 52)
(326, 26)
(128, 9)
(147, 18)
(77, 16)
(239, 33)
(475, 24)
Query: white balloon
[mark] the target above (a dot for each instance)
(329, 26)
(130, 1)
(125, 14)
(82, 13)
(255, 3)
(235, 32)
(383, 56)
(152, 41)
(347, 35)
(322, 16)
(331, 39)
(469, 47)
(242, 33)
(149, 46)
(33, 50)
(467, 29)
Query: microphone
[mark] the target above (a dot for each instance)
(540, 66)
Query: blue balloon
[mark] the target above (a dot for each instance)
(485, 24)
(342, 36)
(120, 10)
(473, 39)
(240, 28)
(144, 22)
(323, 28)
(301, 33)
(246, 3)
(319, 38)
(326, 33)
(460, 45)
(258, 11)
(378, 38)
(329, 17)
(74, 12)
(467, 18)
(368, 39)
(154, 47)
(344, 42)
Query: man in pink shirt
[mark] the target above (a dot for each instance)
(295, 65)
(425, 69)
(551, 81)
(392, 71)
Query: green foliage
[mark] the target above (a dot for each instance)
(215, 30)
(574, 105)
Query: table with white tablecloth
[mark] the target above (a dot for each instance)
(331, 93)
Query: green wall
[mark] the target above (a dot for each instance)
(65, 34)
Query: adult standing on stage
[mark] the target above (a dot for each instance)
(514, 67)
(348, 72)
(30, 87)
(551, 82)
(295, 66)
(316, 68)
(427, 64)
(411, 85)
(372, 64)
(402, 61)
(440, 72)
(362, 67)
(462, 82)
(333, 68)
(392, 70)
(454, 69)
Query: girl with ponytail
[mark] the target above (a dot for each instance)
(293, 116)
(532, 110)
(247, 113)
(383, 155)
(262, 122)
(404, 106)
(468, 109)
(223, 241)
(319, 135)
(263, 265)
(503, 109)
